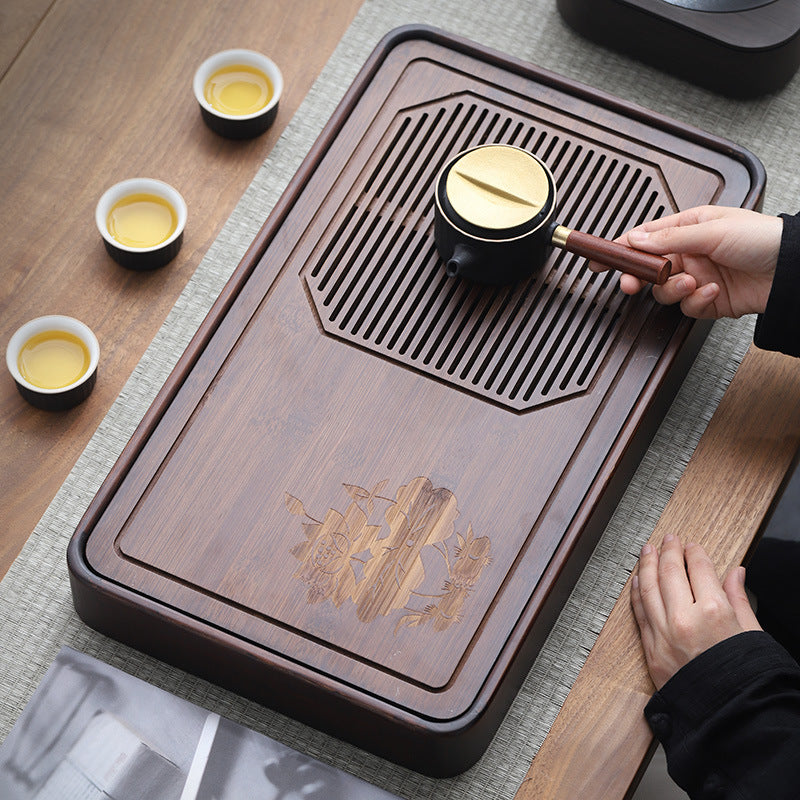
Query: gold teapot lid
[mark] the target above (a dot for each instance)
(498, 186)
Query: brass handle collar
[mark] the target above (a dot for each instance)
(560, 236)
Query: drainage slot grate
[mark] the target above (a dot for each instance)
(377, 282)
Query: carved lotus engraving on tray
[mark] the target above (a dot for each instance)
(414, 564)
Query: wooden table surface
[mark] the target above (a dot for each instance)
(92, 93)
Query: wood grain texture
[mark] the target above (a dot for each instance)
(599, 740)
(648, 267)
(18, 22)
(95, 93)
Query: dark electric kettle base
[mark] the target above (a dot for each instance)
(738, 48)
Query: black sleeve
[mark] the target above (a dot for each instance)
(729, 721)
(778, 328)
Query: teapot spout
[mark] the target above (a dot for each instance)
(462, 262)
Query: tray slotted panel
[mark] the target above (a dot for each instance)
(377, 281)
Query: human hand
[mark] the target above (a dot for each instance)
(682, 608)
(723, 259)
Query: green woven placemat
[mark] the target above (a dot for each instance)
(36, 614)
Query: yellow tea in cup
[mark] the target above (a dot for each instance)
(53, 359)
(238, 89)
(142, 220)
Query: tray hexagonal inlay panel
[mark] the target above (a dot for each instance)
(377, 281)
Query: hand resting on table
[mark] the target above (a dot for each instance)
(682, 608)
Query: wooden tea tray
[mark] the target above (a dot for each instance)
(366, 490)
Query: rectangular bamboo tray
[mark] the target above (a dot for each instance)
(367, 489)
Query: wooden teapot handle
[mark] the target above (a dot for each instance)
(612, 255)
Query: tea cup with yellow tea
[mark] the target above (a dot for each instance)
(141, 221)
(238, 92)
(53, 361)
